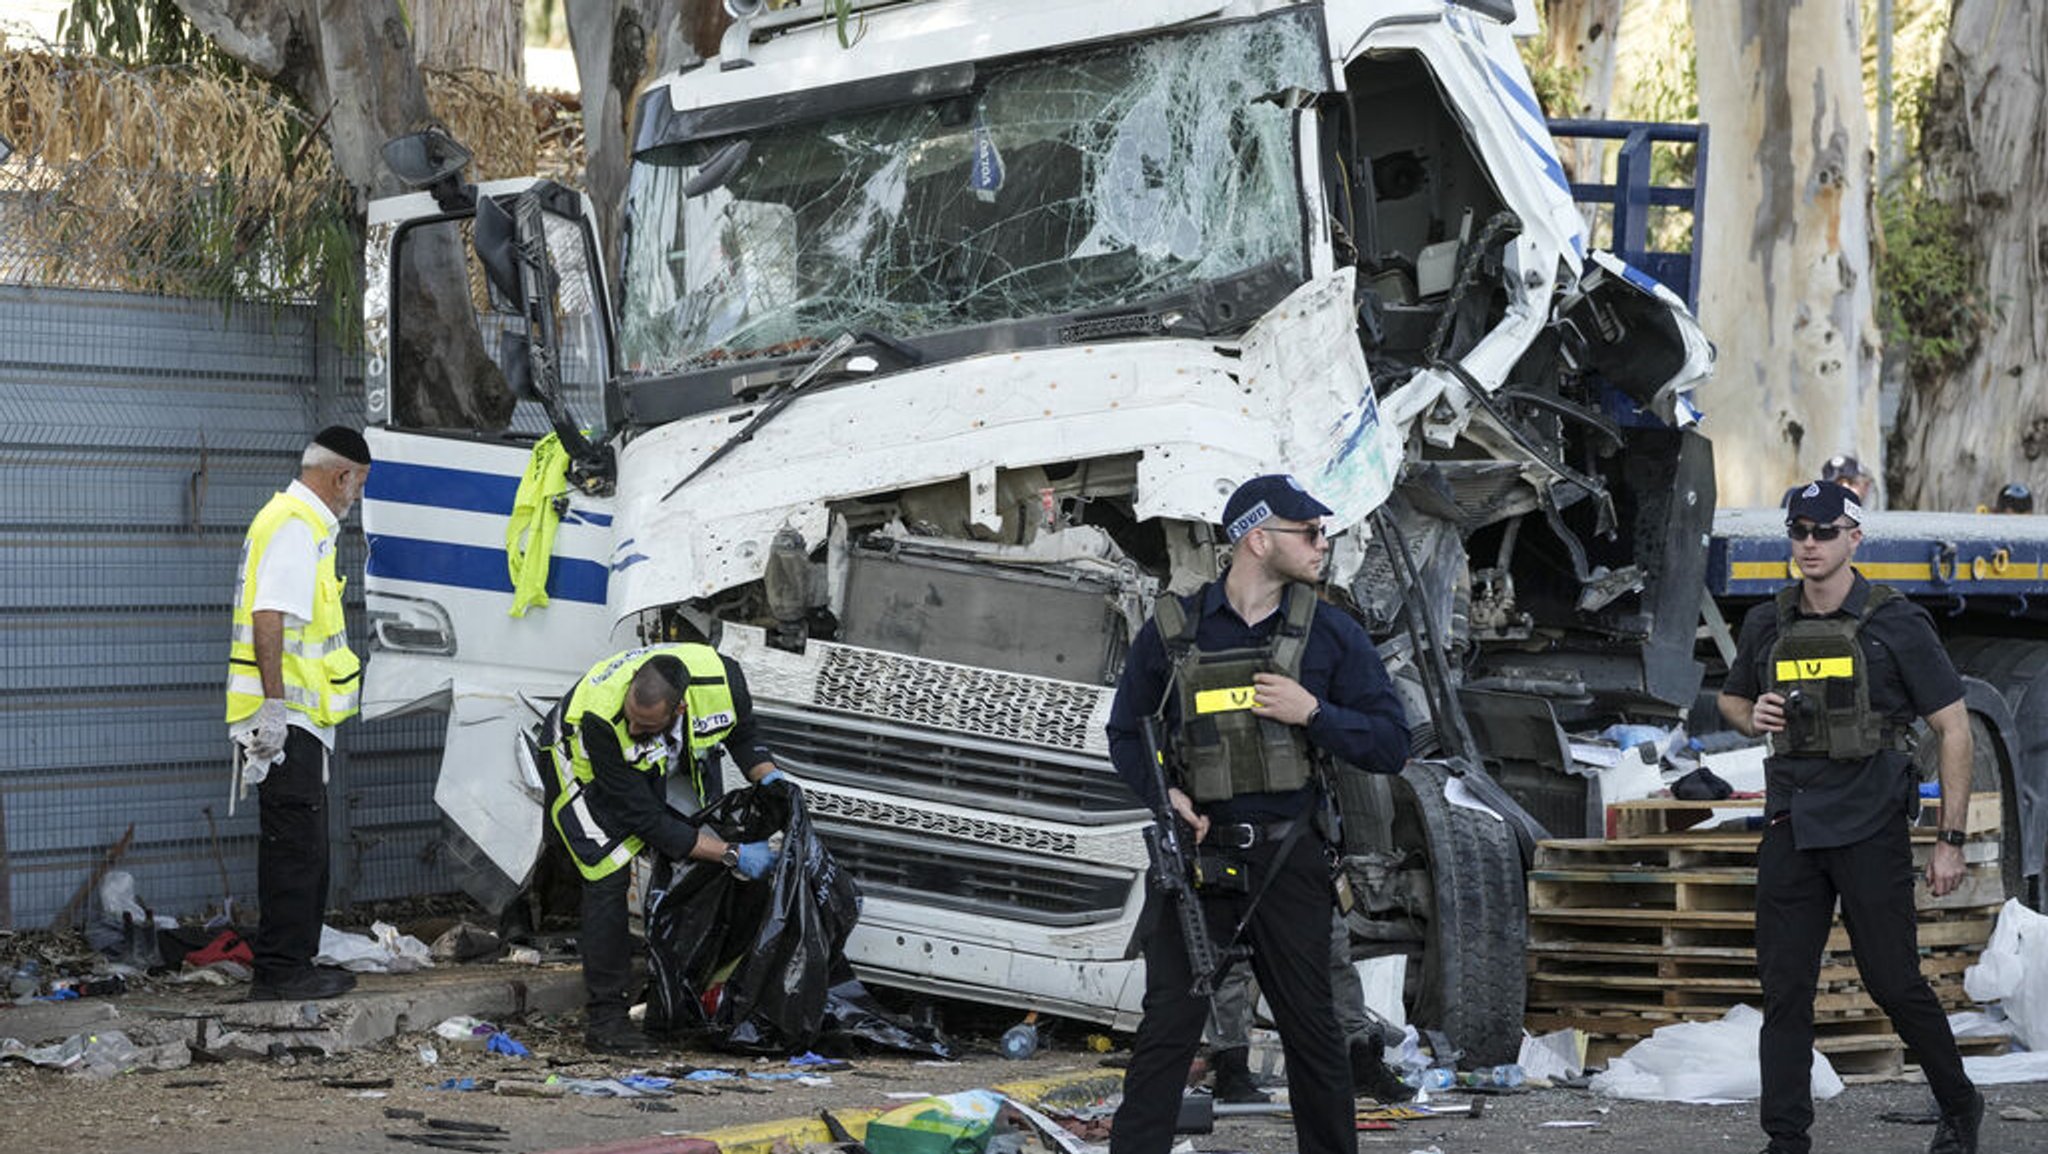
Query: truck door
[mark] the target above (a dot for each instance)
(455, 414)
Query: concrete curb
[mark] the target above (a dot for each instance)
(1078, 1087)
(382, 1008)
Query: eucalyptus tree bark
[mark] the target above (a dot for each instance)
(1579, 39)
(350, 64)
(619, 47)
(1786, 284)
(451, 35)
(1980, 420)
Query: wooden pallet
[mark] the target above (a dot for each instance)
(1653, 816)
(1630, 933)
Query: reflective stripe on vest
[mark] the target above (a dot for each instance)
(1818, 663)
(1225, 748)
(322, 677)
(602, 692)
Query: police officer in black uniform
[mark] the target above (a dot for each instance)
(1259, 684)
(1834, 669)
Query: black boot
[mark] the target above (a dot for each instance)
(1370, 1075)
(1234, 1076)
(1957, 1133)
(616, 1036)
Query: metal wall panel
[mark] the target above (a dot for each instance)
(138, 436)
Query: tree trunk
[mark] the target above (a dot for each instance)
(450, 35)
(350, 63)
(1786, 261)
(1579, 38)
(619, 47)
(1965, 430)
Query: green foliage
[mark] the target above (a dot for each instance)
(139, 33)
(1556, 85)
(1927, 281)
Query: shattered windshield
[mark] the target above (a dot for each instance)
(1091, 180)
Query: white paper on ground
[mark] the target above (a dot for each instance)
(1702, 1062)
(2003, 1069)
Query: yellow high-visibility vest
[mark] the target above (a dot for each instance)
(708, 696)
(322, 677)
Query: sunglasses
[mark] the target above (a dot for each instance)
(1312, 532)
(1818, 532)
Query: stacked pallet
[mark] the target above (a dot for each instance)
(1656, 925)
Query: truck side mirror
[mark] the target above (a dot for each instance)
(432, 160)
(497, 240)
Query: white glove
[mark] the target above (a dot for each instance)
(265, 743)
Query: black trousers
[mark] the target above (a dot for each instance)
(606, 943)
(1795, 900)
(291, 860)
(1289, 933)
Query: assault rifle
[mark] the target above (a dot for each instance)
(1170, 843)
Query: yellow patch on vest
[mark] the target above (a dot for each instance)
(1228, 700)
(1816, 668)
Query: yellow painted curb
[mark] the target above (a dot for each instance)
(761, 1137)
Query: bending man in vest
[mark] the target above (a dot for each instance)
(291, 680)
(1834, 669)
(1259, 685)
(617, 735)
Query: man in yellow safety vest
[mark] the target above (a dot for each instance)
(615, 738)
(291, 680)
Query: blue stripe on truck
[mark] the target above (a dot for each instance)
(438, 487)
(475, 567)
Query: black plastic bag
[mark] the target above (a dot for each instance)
(762, 964)
(762, 949)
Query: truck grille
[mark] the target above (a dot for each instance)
(973, 879)
(958, 697)
(1008, 779)
(1009, 708)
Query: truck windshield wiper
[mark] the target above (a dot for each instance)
(774, 403)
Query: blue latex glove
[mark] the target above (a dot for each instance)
(755, 859)
(771, 777)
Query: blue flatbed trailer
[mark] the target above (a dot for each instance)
(1956, 564)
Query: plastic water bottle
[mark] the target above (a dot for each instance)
(28, 980)
(1508, 1076)
(1429, 1078)
(1019, 1042)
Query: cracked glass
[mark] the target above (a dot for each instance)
(1063, 184)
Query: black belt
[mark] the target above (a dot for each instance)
(1246, 834)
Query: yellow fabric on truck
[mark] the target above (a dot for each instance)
(530, 534)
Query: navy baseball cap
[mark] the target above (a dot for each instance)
(1263, 498)
(1823, 501)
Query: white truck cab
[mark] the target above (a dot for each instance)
(934, 358)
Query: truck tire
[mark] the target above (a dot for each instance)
(2018, 669)
(1471, 982)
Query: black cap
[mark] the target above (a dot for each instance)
(345, 441)
(1263, 498)
(1840, 468)
(2015, 498)
(1823, 501)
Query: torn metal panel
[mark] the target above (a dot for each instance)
(1295, 396)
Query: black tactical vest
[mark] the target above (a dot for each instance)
(1226, 749)
(1819, 666)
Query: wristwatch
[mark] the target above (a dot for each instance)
(730, 858)
(1951, 837)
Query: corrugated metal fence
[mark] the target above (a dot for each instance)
(138, 436)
